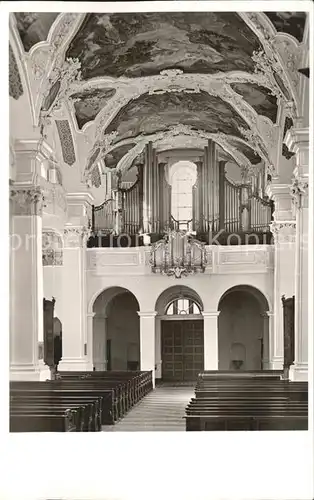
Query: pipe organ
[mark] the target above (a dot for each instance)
(218, 204)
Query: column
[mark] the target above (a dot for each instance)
(297, 141)
(211, 340)
(75, 344)
(26, 281)
(284, 284)
(147, 342)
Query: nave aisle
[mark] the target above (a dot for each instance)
(161, 410)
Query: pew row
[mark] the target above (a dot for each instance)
(90, 400)
(236, 402)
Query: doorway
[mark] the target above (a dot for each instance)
(182, 349)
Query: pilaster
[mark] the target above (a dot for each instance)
(26, 280)
(284, 278)
(211, 354)
(297, 140)
(74, 335)
(147, 341)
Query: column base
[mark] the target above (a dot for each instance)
(276, 364)
(75, 364)
(153, 374)
(158, 370)
(25, 372)
(100, 367)
(44, 371)
(299, 372)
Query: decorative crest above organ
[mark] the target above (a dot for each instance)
(178, 254)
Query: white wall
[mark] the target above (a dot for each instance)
(123, 330)
(240, 321)
(52, 276)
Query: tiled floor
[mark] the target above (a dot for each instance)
(161, 410)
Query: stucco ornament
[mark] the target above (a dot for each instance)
(15, 84)
(283, 232)
(265, 67)
(68, 73)
(27, 201)
(299, 190)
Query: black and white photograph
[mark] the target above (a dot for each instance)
(159, 221)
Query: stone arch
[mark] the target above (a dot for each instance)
(260, 296)
(243, 329)
(107, 292)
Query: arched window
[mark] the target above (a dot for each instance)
(182, 179)
(182, 306)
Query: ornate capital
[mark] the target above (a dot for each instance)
(27, 201)
(299, 191)
(284, 232)
(76, 236)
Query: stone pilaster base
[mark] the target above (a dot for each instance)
(299, 372)
(276, 364)
(25, 372)
(75, 364)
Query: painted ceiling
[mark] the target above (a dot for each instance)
(88, 104)
(34, 27)
(259, 98)
(246, 150)
(289, 22)
(112, 159)
(143, 44)
(152, 113)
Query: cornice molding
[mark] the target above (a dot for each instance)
(297, 138)
(283, 231)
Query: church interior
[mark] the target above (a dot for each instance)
(159, 226)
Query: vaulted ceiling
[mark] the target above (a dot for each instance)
(122, 55)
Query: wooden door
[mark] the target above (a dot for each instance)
(182, 349)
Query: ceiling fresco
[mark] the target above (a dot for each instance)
(112, 159)
(151, 113)
(259, 98)
(88, 104)
(143, 44)
(34, 27)
(246, 150)
(289, 22)
(285, 151)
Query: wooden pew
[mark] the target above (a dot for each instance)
(247, 374)
(88, 410)
(42, 421)
(231, 401)
(97, 400)
(50, 388)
